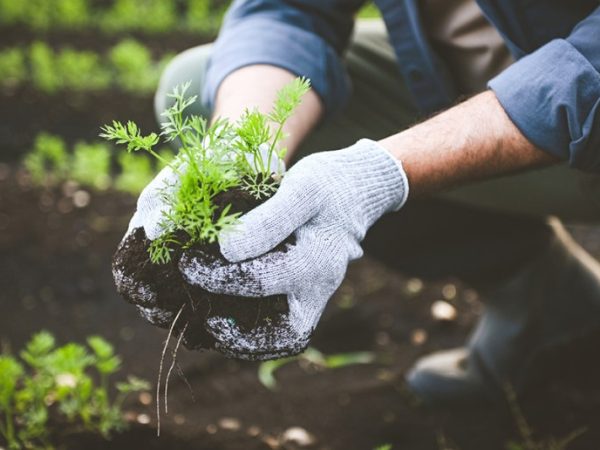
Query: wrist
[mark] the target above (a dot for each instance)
(381, 177)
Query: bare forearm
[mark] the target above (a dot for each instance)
(472, 141)
(256, 87)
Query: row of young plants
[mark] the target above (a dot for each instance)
(51, 163)
(127, 66)
(148, 16)
(50, 388)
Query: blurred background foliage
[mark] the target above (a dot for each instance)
(75, 51)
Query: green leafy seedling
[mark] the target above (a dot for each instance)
(90, 165)
(48, 162)
(135, 173)
(133, 67)
(12, 67)
(60, 381)
(81, 71)
(267, 369)
(44, 72)
(213, 158)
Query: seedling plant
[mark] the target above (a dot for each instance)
(212, 159)
(50, 163)
(51, 385)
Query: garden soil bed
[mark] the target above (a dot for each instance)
(55, 274)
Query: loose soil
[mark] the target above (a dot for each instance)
(173, 292)
(55, 275)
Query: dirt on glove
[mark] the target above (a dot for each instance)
(172, 291)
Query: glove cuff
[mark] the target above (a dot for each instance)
(381, 177)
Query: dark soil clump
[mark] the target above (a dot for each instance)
(132, 261)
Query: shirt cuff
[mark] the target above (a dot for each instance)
(553, 97)
(263, 41)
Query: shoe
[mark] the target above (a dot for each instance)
(555, 299)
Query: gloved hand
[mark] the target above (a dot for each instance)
(148, 216)
(328, 200)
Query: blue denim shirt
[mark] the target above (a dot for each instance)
(552, 92)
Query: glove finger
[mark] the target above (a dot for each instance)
(261, 229)
(258, 344)
(151, 204)
(259, 277)
(136, 292)
(156, 316)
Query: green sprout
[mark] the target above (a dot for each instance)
(48, 161)
(267, 369)
(44, 71)
(213, 158)
(61, 379)
(134, 69)
(90, 165)
(12, 67)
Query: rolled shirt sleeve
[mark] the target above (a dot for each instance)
(553, 95)
(304, 37)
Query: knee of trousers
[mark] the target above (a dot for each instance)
(188, 66)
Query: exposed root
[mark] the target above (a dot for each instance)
(173, 362)
(186, 381)
(160, 367)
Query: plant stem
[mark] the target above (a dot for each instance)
(10, 430)
(276, 139)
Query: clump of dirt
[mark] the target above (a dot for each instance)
(132, 269)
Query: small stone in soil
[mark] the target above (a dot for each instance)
(230, 424)
(271, 441)
(298, 436)
(81, 198)
(179, 419)
(418, 336)
(385, 375)
(443, 311)
(143, 419)
(253, 431)
(414, 286)
(211, 428)
(145, 398)
(449, 291)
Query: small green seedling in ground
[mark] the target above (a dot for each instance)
(136, 172)
(212, 159)
(90, 165)
(12, 12)
(383, 447)
(204, 15)
(48, 163)
(12, 67)
(145, 15)
(44, 72)
(52, 383)
(133, 66)
(71, 14)
(267, 369)
(81, 71)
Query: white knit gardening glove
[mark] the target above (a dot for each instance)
(151, 206)
(328, 201)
